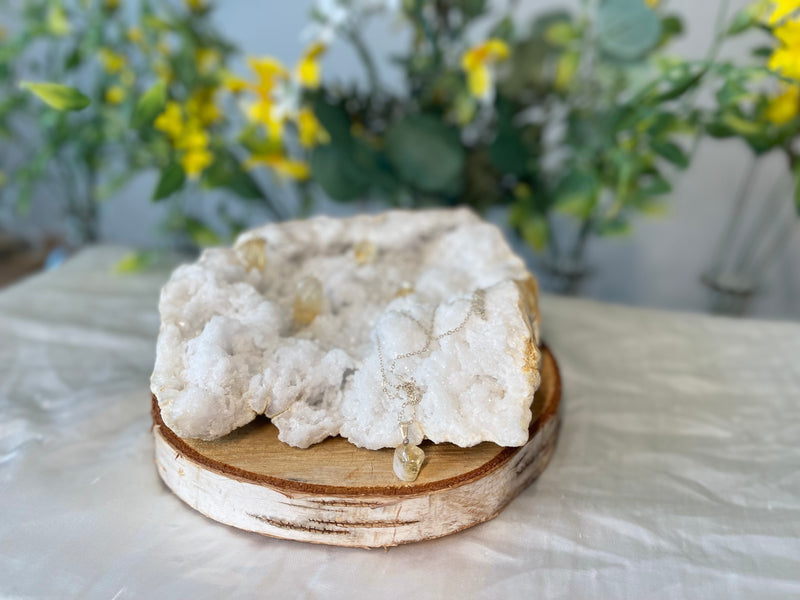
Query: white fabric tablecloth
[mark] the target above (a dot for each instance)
(677, 474)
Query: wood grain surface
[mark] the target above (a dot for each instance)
(336, 493)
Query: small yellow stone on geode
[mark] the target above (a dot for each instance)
(253, 254)
(308, 300)
(365, 252)
(405, 289)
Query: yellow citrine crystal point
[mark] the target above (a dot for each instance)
(253, 254)
(408, 461)
(365, 252)
(308, 300)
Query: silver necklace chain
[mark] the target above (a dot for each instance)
(407, 390)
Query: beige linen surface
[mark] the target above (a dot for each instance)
(677, 474)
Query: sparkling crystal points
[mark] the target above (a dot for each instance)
(253, 254)
(308, 300)
(408, 461)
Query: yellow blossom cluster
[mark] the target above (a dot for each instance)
(478, 63)
(276, 101)
(186, 126)
(116, 64)
(785, 60)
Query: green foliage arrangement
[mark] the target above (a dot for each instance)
(576, 122)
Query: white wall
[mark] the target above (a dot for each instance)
(659, 265)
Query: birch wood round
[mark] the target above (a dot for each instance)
(336, 493)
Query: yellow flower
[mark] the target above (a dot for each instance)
(308, 69)
(782, 9)
(195, 161)
(170, 121)
(163, 70)
(233, 83)
(785, 106)
(269, 72)
(192, 137)
(786, 61)
(293, 169)
(135, 35)
(194, 141)
(478, 63)
(652, 3)
(207, 60)
(201, 106)
(310, 130)
(111, 4)
(115, 94)
(196, 5)
(263, 113)
(788, 33)
(112, 62)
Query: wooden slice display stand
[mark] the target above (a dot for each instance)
(336, 493)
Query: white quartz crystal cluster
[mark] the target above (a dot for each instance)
(288, 323)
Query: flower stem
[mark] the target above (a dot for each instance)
(366, 58)
(734, 220)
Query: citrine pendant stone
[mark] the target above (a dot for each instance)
(408, 461)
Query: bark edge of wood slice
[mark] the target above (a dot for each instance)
(335, 493)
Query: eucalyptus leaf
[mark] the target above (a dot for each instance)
(330, 170)
(425, 153)
(56, 95)
(627, 29)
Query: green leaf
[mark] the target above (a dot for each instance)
(73, 59)
(134, 262)
(763, 51)
(627, 29)
(60, 97)
(797, 189)
(426, 154)
(618, 226)
(744, 20)
(150, 104)
(201, 234)
(576, 194)
(503, 29)
(508, 152)
(680, 85)
(535, 232)
(227, 172)
(560, 34)
(332, 170)
(333, 117)
(471, 8)
(171, 180)
(671, 152)
(671, 25)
